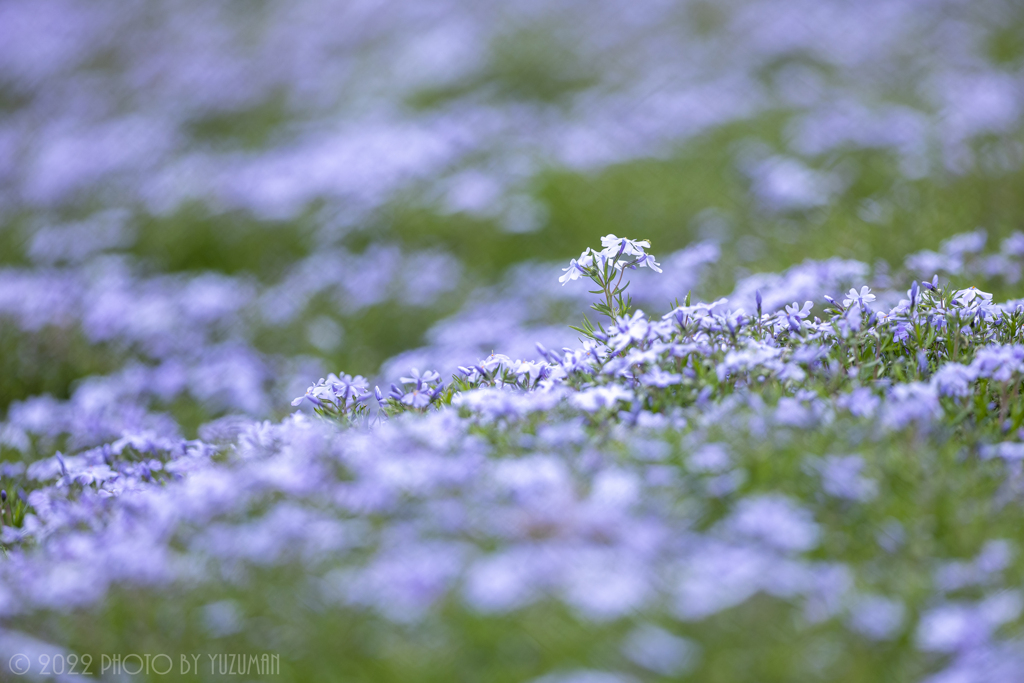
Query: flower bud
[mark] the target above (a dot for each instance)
(543, 351)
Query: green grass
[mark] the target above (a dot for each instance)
(250, 127)
(526, 64)
(47, 362)
(194, 239)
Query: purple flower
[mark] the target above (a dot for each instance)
(596, 398)
(957, 626)
(954, 379)
(656, 377)
(913, 402)
(711, 457)
(877, 617)
(1001, 363)
(418, 398)
(659, 651)
(794, 310)
(775, 520)
(841, 477)
(629, 331)
(965, 243)
(418, 379)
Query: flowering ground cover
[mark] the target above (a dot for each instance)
(300, 357)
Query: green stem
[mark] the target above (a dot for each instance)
(1004, 403)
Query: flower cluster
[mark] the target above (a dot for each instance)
(607, 268)
(418, 391)
(336, 396)
(664, 469)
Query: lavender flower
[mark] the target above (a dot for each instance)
(428, 377)
(860, 299)
(578, 267)
(841, 477)
(954, 379)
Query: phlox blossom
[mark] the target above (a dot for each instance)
(415, 377)
(954, 379)
(972, 297)
(1000, 363)
(577, 267)
(596, 398)
(629, 330)
(418, 398)
(859, 298)
(647, 261)
(621, 246)
(794, 310)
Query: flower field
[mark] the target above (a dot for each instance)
(517, 342)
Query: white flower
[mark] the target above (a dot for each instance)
(616, 246)
(648, 260)
(531, 369)
(577, 267)
(972, 296)
(310, 394)
(495, 360)
(863, 297)
(624, 252)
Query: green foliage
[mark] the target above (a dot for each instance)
(12, 242)
(195, 239)
(663, 200)
(249, 128)
(528, 64)
(47, 361)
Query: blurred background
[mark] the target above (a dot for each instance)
(206, 205)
